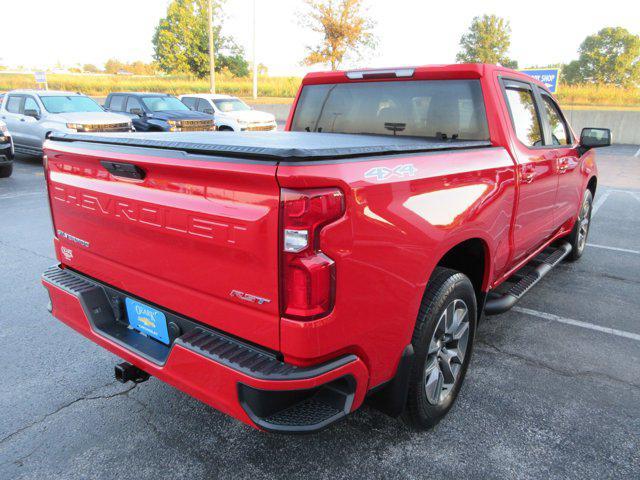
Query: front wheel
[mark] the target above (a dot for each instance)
(442, 341)
(578, 236)
(6, 168)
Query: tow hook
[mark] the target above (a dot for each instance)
(126, 372)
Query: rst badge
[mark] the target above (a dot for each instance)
(384, 173)
(247, 297)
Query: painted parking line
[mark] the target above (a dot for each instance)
(637, 153)
(578, 323)
(16, 195)
(615, 249)
(599, 202)
(600, 199)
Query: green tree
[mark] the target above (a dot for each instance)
(611, 56)
(181, 41)
(487, 41)
(345, 30)
(90, 68)
(113, 66)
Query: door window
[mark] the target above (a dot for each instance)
(204, 106)
(557, 125)
(30, 104)
(190, 102)
(13, 104)
(132, 104)
(524, 115)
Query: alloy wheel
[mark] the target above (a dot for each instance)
(583, 221)
(446, 353)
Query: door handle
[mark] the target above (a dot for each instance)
(528, 173)
(563, 165)
(126, 170)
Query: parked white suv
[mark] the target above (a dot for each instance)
(230, 113)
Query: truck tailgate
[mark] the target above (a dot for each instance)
(197, 235)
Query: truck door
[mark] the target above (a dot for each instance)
(11, 116)
(562, 146)
(30, 125)
(537, 178)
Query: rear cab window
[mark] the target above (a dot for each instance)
(117, 103)
(434, 109)
(13, 103)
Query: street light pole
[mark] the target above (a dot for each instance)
(212, 61)
(255, 57)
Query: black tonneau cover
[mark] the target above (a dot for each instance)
(284, 146)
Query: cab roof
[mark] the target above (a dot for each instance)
(210, 96)
(424, 72)
(49, 93)
(142, 94)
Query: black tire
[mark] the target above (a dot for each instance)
(6, 169)
(578, 236)
(224, 128)
(445, 288)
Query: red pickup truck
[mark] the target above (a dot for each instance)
(286, 277)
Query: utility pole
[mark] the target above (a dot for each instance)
(212, 60)
(255, 57)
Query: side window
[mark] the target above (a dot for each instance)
(117, 103)
(557, 125)
(204, 106)
(13, 103)
(133, 103)
(30, 104)
(190, 102)
(524, 115)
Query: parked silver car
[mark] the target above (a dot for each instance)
(31, 115)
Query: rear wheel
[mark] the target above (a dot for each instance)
(442, 341)
(578, 236)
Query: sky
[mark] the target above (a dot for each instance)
(42, 33)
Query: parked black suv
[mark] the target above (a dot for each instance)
(158, 112)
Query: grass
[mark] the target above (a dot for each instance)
(599, 96)
(101, 85)
(281, 89)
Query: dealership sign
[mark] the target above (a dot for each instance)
(548, 76)
(41, 79)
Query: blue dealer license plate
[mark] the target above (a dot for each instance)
(147, 320)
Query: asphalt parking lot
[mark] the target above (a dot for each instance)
(553, 390)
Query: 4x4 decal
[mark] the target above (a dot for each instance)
(383, 173)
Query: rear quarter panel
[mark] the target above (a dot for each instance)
(403, 213)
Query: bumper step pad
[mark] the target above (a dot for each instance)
(249, 359)
(524, 279)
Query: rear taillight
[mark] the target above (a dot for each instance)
(308, 275)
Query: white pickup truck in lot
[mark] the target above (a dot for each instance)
(230, 113)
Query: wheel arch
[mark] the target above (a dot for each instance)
(472, 258)
(592, 184)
